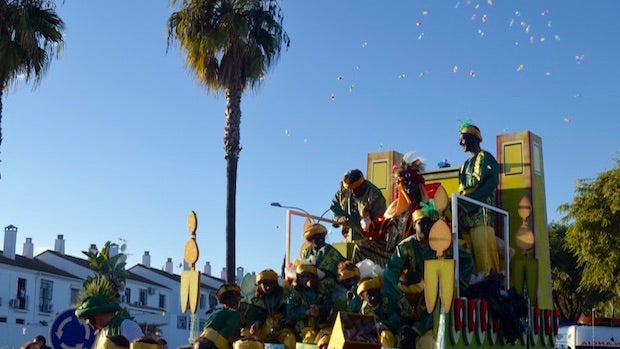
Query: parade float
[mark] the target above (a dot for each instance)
(521, 230)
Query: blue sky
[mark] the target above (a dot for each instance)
(119, 141)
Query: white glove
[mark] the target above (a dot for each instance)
(365, 223)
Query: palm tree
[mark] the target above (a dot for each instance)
(230, 45)
(30, 35)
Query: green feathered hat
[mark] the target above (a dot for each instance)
(467, 127)
(97, 304)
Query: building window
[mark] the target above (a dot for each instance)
(20, 321)
(75, 293)
(202, 303)
(45, 296)
(127, 295)
(213, 302)
(162, 301)
(143, 296)
(21, 294)
(3, 319)
(182, 322)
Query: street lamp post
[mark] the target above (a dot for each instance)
(290, 211)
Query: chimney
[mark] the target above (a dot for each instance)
(169, 266)
(146, 259)
(207, 270)
(28, 251)
(113, 249)
(59, 245)
(239, 275)
(223, 273)
(10, 240)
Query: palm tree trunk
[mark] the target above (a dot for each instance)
(1, 93)
(231, 147)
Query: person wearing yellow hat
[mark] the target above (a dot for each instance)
(357, 205)
(323, 255)
(345, 295)
(478, 180)
(267, 315)
(381, 308)
(411, 252)
(416, 321)
(306, 306)
(145, 343)
(223, 326)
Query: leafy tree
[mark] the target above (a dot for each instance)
(30, 35)
(230, 46)
(594, 234)
(565, 275)
(110, 268)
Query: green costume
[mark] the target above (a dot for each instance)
(384, 313)
(415, 316)
(224, 322)
(478, 178)
(298, 303)
(326, 259)
(347, 205)
(409, 254)
(270, 311)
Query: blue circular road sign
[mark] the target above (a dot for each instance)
(68, 332)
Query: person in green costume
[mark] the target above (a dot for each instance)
(267, 315)
(478, 180)
(357, 206)
(105, 316)
(323, 255)
(308, 308)
(376, 304)
(224, 325)
(416, 321)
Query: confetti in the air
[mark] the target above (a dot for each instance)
(424, 13)
(532, 39)
(481, 33)
(332, 97)
(364, 44)
(520, 67)
(542, 39)
(484, 19)
(549, 24)
(544, 13)
(517, 13)
(472, 73)
(351, 87)
(455, 69)
(547, 73)
(473, 17)
(458, 3)
(420, 36)
(340, 78)
(287, 133)
(490, 2)
(580, 58)
(402, 76)
(380, 145)
(556, 37)
(568, 120)
(528, 28)
(422, 74)
(512, 21)
(418, 24)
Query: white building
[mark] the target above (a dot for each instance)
(52, 280)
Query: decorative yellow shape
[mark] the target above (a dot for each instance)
(438, 280)
(440, 237)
